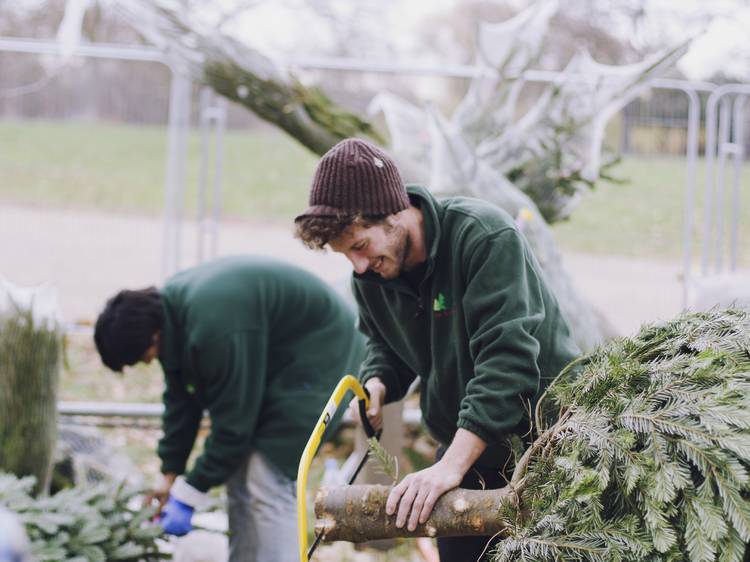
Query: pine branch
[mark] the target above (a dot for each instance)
(387, 462)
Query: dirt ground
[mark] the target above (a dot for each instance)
(90, 255)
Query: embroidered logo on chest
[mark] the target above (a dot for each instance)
(441, 306)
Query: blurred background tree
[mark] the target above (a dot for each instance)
(536, 148)
(30, 362)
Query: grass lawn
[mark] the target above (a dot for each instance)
(645, 216)
(121, 168)
(266, 177)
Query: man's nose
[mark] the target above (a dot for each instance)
(360, 263)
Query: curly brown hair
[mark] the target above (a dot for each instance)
(316, 231)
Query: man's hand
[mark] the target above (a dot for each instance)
(176, 517)
(376, 388)
(416, 495)
(178, 511)
(160, 492)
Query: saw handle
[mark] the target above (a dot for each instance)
(366, 425)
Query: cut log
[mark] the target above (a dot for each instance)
(357, 514)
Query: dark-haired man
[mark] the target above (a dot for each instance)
(448, 291)
(257, 343)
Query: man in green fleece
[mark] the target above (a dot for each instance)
(260, 345)
(448, 291)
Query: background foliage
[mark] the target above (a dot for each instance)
(83, 524)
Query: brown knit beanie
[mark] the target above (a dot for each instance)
(356, 176)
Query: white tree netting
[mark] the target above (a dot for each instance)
(519, 155)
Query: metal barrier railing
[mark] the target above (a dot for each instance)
(126, 412)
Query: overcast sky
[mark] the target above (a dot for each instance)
(721, 28)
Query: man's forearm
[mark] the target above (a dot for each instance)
(464, 450)
(180, 431)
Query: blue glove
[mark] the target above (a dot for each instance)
(175, 517)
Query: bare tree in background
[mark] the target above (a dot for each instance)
(534, 161)
(246, 76)
(533, 157)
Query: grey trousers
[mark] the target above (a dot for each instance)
(262, 506)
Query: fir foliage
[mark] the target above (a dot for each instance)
(83, 524)
(649, 459)
(30, 361)
(387, 463)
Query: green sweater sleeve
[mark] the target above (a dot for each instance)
(502, 320)
(234, 368)
(379, 360)
(180, 422)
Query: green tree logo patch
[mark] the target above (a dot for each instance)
(439, 304)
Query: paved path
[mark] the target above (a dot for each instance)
(90, 255)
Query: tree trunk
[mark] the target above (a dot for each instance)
(254, 80)
(248, 77)
(306, 114)
(357, 514)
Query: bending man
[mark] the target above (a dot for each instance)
(260, 345)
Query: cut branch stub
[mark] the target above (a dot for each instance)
(357, 514)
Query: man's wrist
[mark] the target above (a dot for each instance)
(168, 478)
(187, 494)
(455, 463)
(463, 451)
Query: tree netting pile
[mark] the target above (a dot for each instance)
(649, 458)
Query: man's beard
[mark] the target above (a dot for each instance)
(398, 249)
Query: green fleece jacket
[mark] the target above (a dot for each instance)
(480, 328)
(259, 344)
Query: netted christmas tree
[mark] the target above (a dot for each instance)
(649, 458)
(30, 359)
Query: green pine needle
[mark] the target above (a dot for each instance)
(650, 457)
(387, 463)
